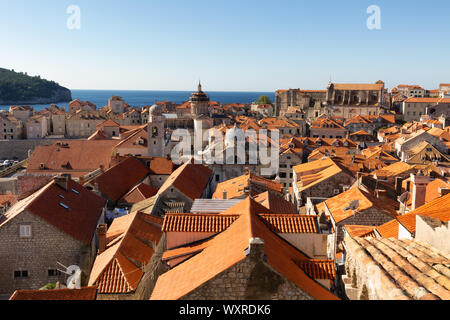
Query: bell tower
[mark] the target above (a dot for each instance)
(155, 131)
(199, 102)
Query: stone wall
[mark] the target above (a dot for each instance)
(369, 217)
(47, 246)
(10, 149)
(249, 279)
(325, 189)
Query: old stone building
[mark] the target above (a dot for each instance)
(338, 100)
(324, 178)
(10, 127)
(244, 260)
(54, 225)
(125, 250)
(179, 192)
(356, 207)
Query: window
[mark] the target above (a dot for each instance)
(217, 178)
(53, 272)
(25, 231)
(20, 274)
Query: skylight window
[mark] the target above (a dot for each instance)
(65, 206)
(75, 191)
(61, 196)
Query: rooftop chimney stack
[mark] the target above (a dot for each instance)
(62, 180)
(101, 235)
(225, 194)
(419, 185)
(255, 249)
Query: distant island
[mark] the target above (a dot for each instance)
(19, 88)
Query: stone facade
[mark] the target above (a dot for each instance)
(250, 279)
(37, 254)
(325, 189)
(369, 217)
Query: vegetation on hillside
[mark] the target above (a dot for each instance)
(18, 86)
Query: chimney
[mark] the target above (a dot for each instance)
(419, 185)
(398, 185)
(102, 168)
(81, 180)
(62, 180)
(255, 249)
(224, 194)
(101, 236)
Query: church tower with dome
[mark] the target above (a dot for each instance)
(199, 103)
(155, 131)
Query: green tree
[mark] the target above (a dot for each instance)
(263, 100)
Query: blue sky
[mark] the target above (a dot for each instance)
(246, 45)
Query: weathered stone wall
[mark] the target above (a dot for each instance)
(10, 149)
(250, 279)
(364, 279)
(325, 189)
(47, 246)
(369, 217)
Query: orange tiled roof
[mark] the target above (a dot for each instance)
(431, 209)
(228, 248)
(359, 230)
(84, 156)
(86, 293)
(389, 229)
(79, 219)
(191, 222)
(161, 166)
(358, 86)
(319, 269)
(235, 187)
(275, 203)
(119, 269)
(290, 223)
(184, 177)
(393, 170)
(314, 172)
(339, 203)
(118, 180)
(140, 192)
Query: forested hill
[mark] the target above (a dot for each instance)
(20, 88)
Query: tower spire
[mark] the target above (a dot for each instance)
(199, 86)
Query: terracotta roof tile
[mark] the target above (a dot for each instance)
(140, 192)
(275, 203)
(84, 156)
(119, 269)
(319, 269)
(78, 217)
(118, 180)
(86, 293)
(339, 203)
(191, 222)
(228, 248)
(290, 223)
(161, 166)
(235, 188)
(359, 231)
(184, 177)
